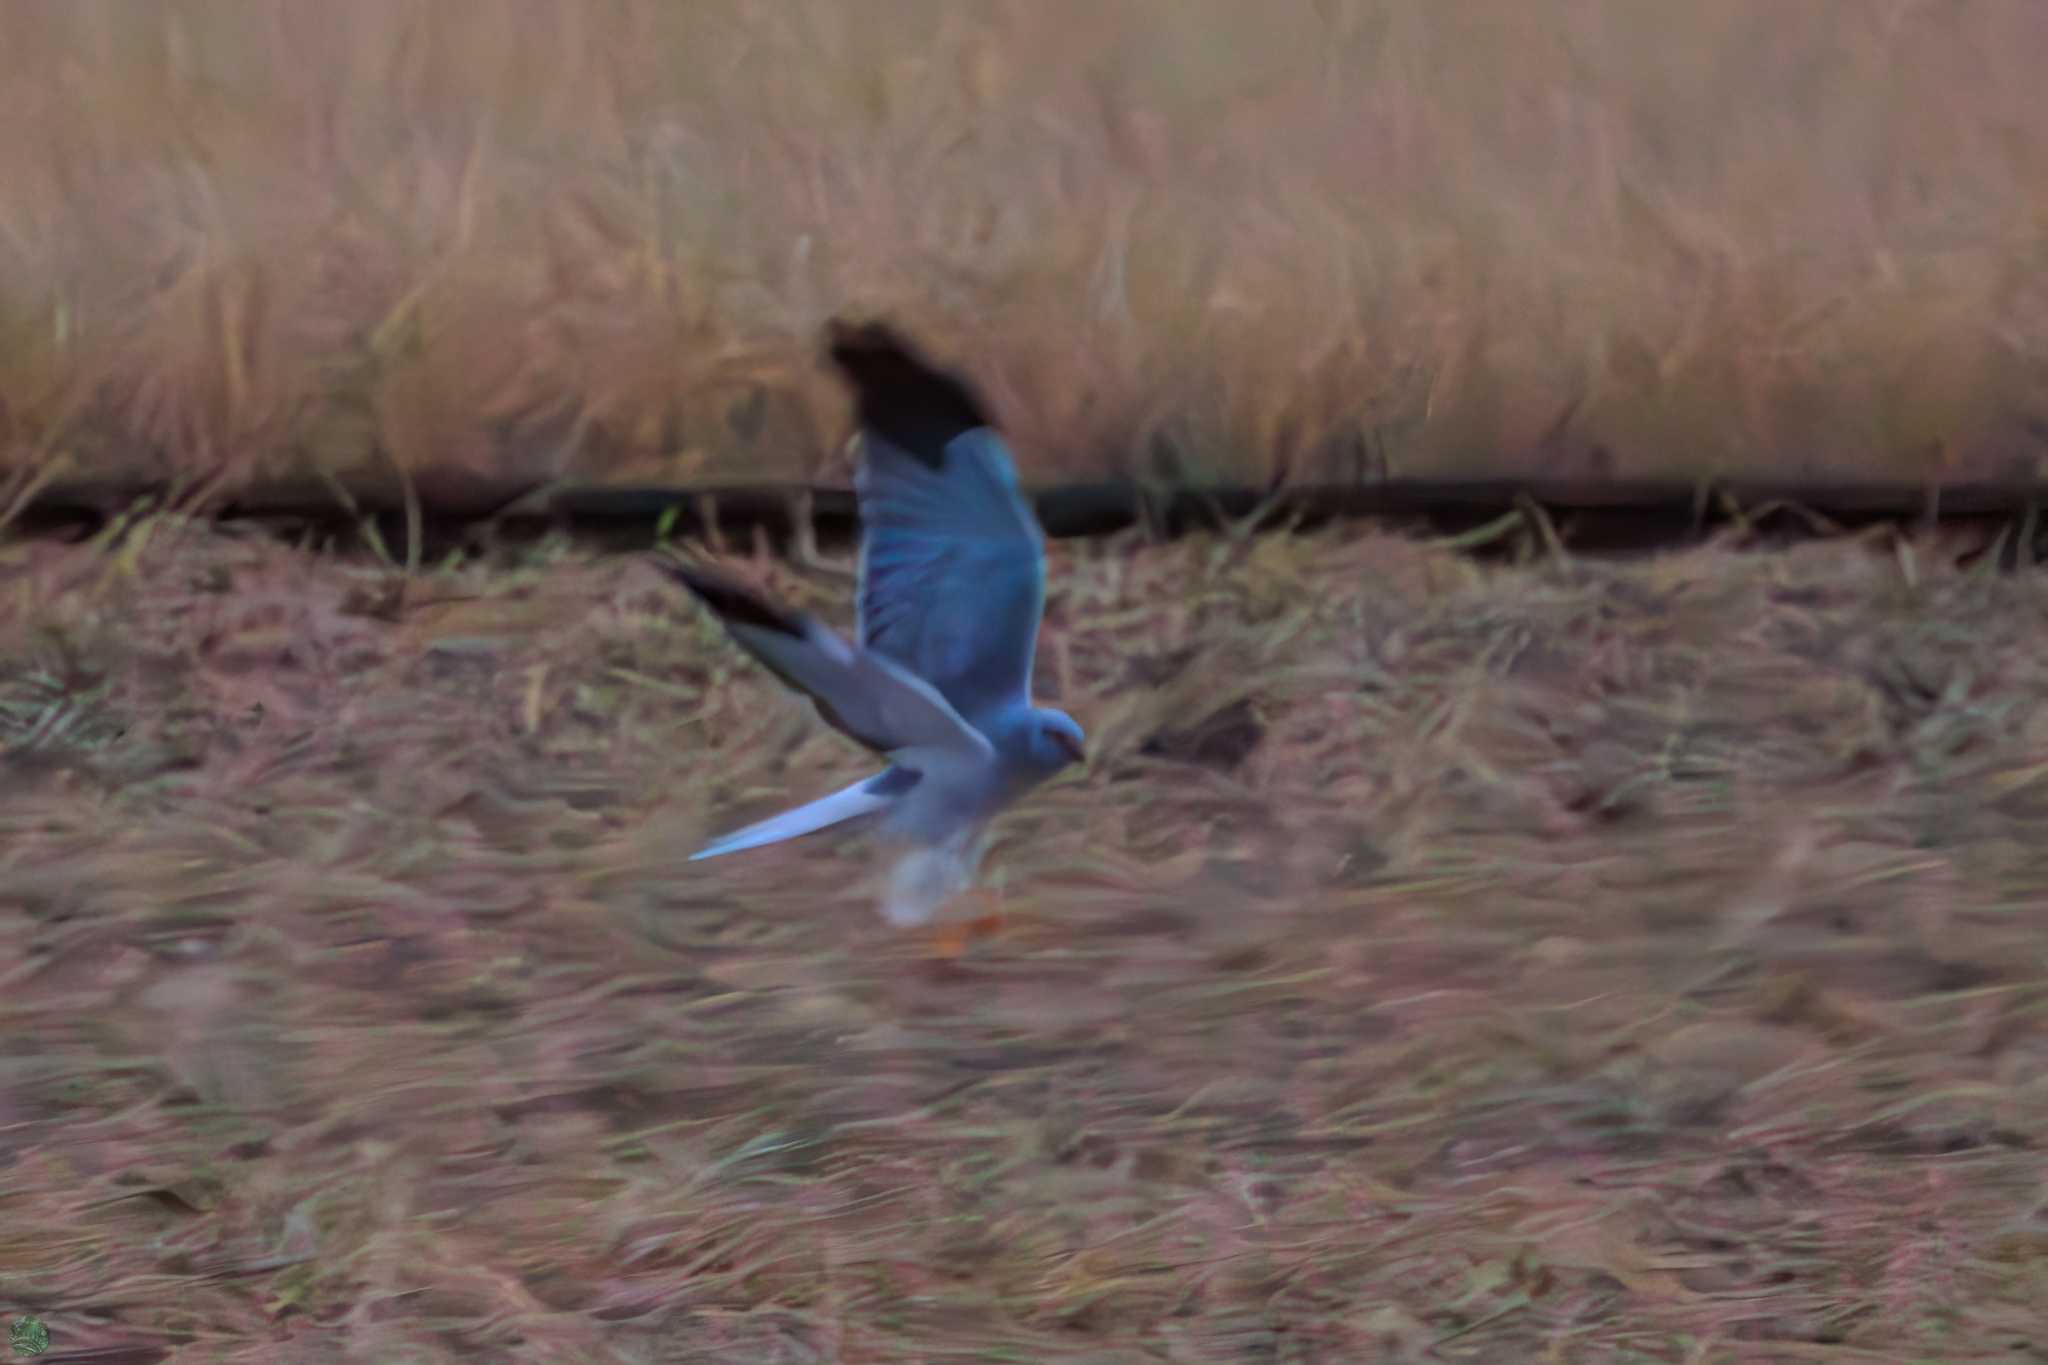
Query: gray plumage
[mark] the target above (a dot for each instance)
(952, 587)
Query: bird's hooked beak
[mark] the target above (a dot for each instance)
(1074, 747)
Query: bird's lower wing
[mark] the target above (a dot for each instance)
(857, 691)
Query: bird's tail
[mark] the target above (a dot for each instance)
(864, 797)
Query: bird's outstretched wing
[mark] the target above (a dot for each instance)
(952, 561)
(857, 691)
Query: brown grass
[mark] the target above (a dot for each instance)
(492, 241)
(1573, 962)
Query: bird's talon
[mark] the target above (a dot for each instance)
(949, 941)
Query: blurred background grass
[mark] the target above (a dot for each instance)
(493, 242)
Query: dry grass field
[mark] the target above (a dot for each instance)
(1576, 961)
(1444, 956)
(470, 245)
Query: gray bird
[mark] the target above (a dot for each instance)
(952, 586)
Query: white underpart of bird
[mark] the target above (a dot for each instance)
(951, 592)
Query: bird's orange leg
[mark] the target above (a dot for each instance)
(990, 922)
(952, 938)
(949, 940)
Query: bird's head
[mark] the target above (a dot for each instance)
(1056, 740)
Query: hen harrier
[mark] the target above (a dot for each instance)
(952, 586)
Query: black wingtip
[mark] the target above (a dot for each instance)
(728, 600)
(901, 396)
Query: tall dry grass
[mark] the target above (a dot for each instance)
(494, 241)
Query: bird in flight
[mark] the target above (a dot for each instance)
(938, 681)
